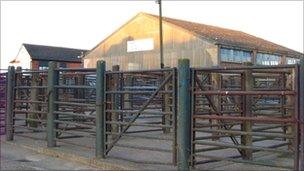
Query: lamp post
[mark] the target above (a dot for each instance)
(160, 34)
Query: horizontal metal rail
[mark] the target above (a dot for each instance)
(254, 119)
(73, 87)
(74, 104)
(228, 145)
(235, 132)
(139, 124)
(281, 93)
(74, 114)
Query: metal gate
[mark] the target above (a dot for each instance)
(246, 115)
(141, 105)
(29, 103)
(72, 104)
(252, 115)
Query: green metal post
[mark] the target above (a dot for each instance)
(53, 78)
(100, 115)
(183, 115)
(9, 130)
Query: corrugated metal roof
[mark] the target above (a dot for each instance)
(229, 37)
(52, 53)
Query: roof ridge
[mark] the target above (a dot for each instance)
(196, 23)
(28, 44)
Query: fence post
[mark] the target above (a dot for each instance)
(100, 114)
(9, 130)
(18, 81)
(34, 97)
(115, 102)
(216, 84)
(53, 78)
(166, 106)
(301, 100)
(247, 125)
(183, 115)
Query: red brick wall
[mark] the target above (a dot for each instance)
(74, 65)
(35, 65)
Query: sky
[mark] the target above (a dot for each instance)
(83, 24)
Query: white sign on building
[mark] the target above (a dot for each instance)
(140, 45)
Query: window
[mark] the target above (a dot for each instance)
(290, 60)
(232, 55)
(62, 65)
(267, 59)
(43, 65)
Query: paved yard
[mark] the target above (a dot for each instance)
(18, 158)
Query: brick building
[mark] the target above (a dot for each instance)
(37, 57)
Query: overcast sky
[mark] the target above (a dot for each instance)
(81, 24)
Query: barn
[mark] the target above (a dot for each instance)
(35, 57)
(135, 45)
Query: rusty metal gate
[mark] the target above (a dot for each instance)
(141, 105)
(29, 103)
(73, 107)
(241, 114)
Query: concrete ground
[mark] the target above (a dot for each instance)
(18, 158)
(71, 157)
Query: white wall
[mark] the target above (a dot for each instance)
(24, 59)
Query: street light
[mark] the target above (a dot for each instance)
(160, 34)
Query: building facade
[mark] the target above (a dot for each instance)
(38, 56)
(135, 45)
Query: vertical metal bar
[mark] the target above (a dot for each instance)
(100, 115)
(53, 78)
(18, 82)
(283, 102)
(115, 102)
(80, 80)
(301, 108)
(9, 132)
(122, 98)
(127, 96)
(290, 101)
(166, 106)
(295, 116)
(34, 97)
(216, 84)
(183, 116)
(193, 98)
(247, 125)
(174, 115)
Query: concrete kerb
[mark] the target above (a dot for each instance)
(93, 162)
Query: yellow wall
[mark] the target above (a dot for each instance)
(178, 43)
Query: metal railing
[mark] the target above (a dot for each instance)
(196, 115)
(28, 92)
(257, 112)
(142, 105)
